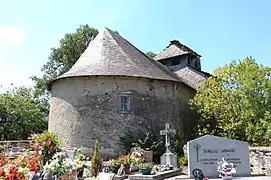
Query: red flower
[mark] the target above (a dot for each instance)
(2, 172)
(51, 148)
(2, 163)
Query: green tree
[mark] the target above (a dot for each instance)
(21, 114)
(150, 54)
(236, 102)
(63, 57)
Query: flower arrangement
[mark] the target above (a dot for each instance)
(46, 145)
(59, 164)
(79, 159)
(137, 156)
(18, 168)
(124, 159)
(225, 169)
(34, 163)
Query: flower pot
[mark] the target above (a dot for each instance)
(145, 171)
(134, 168)
(126, 170)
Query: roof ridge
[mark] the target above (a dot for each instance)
(182, 47)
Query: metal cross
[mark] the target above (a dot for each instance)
(168, 132)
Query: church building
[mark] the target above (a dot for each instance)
(114, 87)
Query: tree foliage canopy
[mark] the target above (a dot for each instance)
(21, 114)
(236, 102)
(62, 58)
(151, 54)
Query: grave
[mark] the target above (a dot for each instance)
(168, 158)
(184, 177)
(156, 176)
(204, 152)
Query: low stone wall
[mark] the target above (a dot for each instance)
(260, 160)
(15, 146)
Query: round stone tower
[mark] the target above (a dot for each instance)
(112, 88)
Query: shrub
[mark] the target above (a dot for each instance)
(177, 145)
(46, 145)
(96, 161)
(144, 140)
(183, 161)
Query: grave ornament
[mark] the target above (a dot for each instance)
(225, 169)
(168, 158)
(197, 174)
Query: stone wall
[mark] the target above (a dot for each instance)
(86, 108)
(15, 147)
(260, 159)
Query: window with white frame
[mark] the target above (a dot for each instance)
(124, 103)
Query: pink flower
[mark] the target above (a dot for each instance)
(37, 145)
(49, 142)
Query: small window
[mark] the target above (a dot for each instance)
(124, 103)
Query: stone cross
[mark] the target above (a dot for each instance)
(168, 132)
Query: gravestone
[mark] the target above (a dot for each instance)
(70, 153)
(168, 158)
(204, 152)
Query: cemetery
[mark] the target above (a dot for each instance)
(43, 158)
(104, 110)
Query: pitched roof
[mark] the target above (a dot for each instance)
(191, 76)
(111, 54)
(175, 48)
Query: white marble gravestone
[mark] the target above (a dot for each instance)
(204, 152)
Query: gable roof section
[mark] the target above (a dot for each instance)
(175, 48)
(191, 76)
(111, 54)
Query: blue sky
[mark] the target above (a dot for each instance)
(220, 31)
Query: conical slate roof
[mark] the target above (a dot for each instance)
(111, 54)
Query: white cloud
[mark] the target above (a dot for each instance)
(12, 36)
(11, 72)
